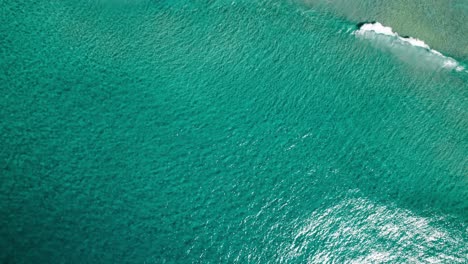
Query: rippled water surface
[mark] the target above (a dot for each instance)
(228, 131)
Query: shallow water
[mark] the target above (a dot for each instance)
(440, 23)
(172, 132)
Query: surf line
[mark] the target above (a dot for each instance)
(365, 29)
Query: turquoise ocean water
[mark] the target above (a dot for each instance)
(230, 132)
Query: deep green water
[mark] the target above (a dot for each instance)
(225, 131)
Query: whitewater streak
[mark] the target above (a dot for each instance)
(367, 30)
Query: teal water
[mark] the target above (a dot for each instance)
(224, 131)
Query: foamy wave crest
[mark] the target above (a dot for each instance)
(375, 29)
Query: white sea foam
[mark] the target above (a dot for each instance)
(377, 28)
(371, 30)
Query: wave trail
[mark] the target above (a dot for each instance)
(375, 30)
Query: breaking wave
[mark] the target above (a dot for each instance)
(377, 31)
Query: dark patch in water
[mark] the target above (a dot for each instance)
(360, 24)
